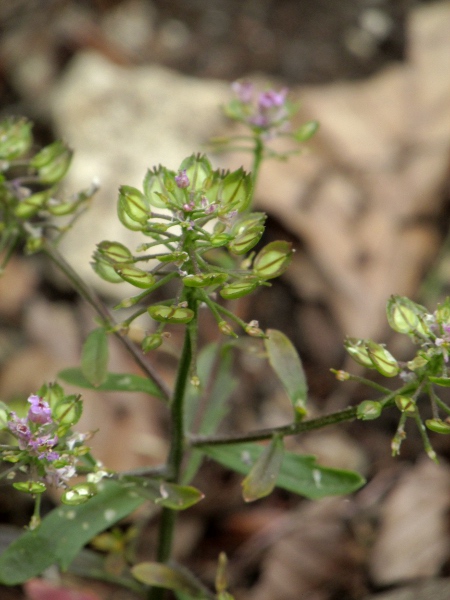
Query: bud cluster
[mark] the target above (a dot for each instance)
(198, 221)
(28, 185)
(47, 450)
(430, 366)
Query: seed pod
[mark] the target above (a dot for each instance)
(405, 404)
(273, 260)
(151, 342)
(133, 204)
(438, 426)
(135, 276)
(205, 279)
(368, 410)
(170, 314)
(238, 289)
(246, 240)
(358, 351)
(28, 207)
(52, 162)
(382, 359)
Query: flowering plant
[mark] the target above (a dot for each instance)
(199, 234)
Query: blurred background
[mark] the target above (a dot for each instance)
(133, 83)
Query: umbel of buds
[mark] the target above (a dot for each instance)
(199, 227)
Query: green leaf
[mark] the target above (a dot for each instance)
(298, 474)
(442, 381)
(94, 357)
(263, 475)
(64, 531)
(178, 497)
(286, 363)
(170, 578)
(114, 382)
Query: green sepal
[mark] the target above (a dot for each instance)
(170, 314)
(137, 277)
(273, 260)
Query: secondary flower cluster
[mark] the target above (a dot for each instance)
(200, 229)
(46, 447)
(429, 367)
(267, 111)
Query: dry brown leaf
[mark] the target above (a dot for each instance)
(413, 540)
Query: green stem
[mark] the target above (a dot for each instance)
(177, 447)
(257, 160)
(90, 297)
(348, 414)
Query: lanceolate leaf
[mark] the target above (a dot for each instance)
(170, 578)
(94, 357)
(263, 475)
(286, 363)
(114, 382)
(63, 533)
(299, 474)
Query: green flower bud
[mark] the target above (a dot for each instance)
(115, 252)
(382, 359)
(273, 260)
(238, 289)
(368, 410)
(105, 269)
(135, 276)
(405, 404)
(358, 351)
(438, 426)
(28, 207)
(15, 138)
(205, 280)
(220, 239)
(246, 240)
(79, 494)
(226, 329)
(30, 487)
(52, 162)
(170, 314)
(306, 131)
(151, 342)
(132, 204)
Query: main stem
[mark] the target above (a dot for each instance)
(176, 453)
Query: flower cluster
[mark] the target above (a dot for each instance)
(46, 447)
(267, 112)
(199, 225)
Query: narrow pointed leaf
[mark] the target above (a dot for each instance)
(114, 382)
(299, 473)
(264, 473)
(286, 363)
(94, 357)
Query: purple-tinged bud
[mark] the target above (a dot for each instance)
(182, 180)
(40, 412)
(271, 98)
(243, 90)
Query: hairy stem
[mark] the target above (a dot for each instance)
(85, 292)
